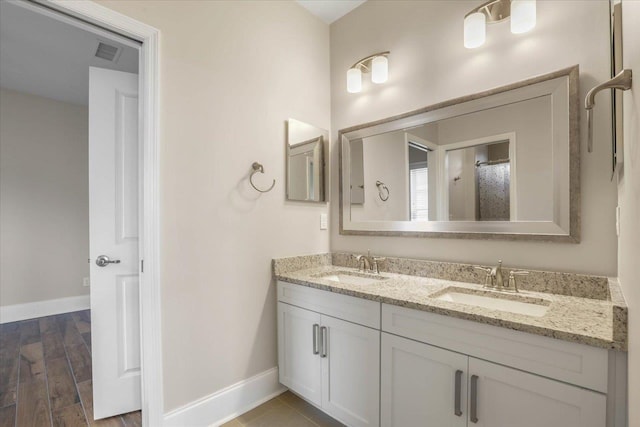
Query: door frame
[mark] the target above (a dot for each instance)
(80, 13)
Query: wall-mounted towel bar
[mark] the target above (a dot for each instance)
(383, 191)
(257, 167)
(492, 162)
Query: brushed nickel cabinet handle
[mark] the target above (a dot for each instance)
(473, 409)
(315, 331)
(323, 341)
(457, 410)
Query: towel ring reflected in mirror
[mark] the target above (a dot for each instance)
(257, 167)
(383, 191)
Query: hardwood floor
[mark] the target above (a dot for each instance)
(45, 374)
(286, 410)
(45, 380)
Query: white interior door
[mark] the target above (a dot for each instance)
(113, 209)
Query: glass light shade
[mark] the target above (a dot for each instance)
(354, 80)
(523, 16)
(475, 30)
(379, 69)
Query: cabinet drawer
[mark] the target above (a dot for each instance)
(573, 363)
(508, 397)
(351, 309)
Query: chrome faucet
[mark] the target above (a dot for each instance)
(369, 263)
(496, 273)
(364, 262)
(513, 284)
(494, 277)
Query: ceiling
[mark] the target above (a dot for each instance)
(42, 56)
(330, 10)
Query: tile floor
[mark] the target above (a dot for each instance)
(286, 410)
(45, 374)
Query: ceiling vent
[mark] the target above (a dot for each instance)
(108, 52)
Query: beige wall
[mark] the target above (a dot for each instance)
(44, 198)
(629, 200)
(231, 73)
(462, 193)
(429, 64)
(385, 159)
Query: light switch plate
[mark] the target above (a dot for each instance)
(323, 221)
(85, 282)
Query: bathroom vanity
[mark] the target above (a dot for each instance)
(433, 347)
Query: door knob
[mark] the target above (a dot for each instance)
(103, 261)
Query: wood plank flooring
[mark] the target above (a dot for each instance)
(45, 374)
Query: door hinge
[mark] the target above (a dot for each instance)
(141, 266)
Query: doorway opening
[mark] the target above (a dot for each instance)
(79, 194)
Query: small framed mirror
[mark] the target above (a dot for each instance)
(305, 162)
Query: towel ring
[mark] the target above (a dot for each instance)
(382, 188)
(257, 167)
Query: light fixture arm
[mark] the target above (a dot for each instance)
(522, 14)
(495, 10)
(365, 63)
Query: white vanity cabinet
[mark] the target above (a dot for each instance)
(422, 385)
(505, 397)
(372, 364)
(300, 367)
(426, 385)
(331, 362)
(419, 375)
(351, 373)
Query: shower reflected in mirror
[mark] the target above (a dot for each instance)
(479, 181)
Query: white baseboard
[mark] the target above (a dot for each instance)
(228, 403)
(32, 310)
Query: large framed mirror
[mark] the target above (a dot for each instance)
(305, 162)
(501, 164)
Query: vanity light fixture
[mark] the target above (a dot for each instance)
(523, 16)
(522, 13)
(376, 64)
(475, 30)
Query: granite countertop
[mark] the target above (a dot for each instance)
(597, 322)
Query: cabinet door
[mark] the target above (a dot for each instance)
(507, 397)
(422, 385)
(351, 372)
(299, 367)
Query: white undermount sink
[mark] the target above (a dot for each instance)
(510, 303)
(351, 278)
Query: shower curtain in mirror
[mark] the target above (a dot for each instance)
(493, 192)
